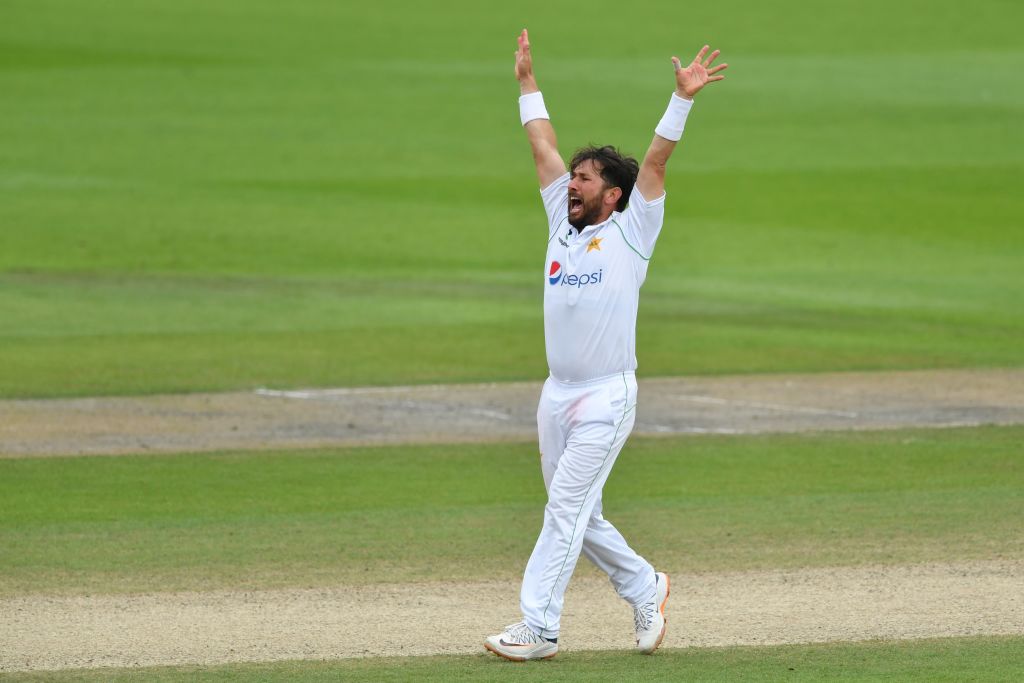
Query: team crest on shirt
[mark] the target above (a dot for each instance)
(555, 274)
(594, 244)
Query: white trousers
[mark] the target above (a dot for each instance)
(582, 428)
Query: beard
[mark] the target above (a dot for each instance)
(587, 214)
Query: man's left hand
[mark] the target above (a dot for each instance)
(699, 73)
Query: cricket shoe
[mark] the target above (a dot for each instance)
(649, 617)
(519, 643)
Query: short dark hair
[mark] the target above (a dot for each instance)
(617, 169)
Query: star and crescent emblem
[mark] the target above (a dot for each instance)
(595, 243)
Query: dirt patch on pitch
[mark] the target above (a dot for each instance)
(742, 608)
(490, 412)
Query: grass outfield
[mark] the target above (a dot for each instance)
(933, 661)
(373, 515)
(200, 196)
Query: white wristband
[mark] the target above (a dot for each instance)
(532, 107)
(672, 123)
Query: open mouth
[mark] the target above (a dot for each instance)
(575, 204)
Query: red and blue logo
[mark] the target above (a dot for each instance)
(556, 273)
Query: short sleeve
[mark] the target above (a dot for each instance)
(556, 202)
(642, 222)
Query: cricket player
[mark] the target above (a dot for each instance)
(604, 216)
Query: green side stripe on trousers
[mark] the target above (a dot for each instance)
(627, 411)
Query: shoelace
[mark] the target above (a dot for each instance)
(643, 616)
(521, 633)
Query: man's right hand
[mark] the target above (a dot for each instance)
(550, 166)
(524, 66)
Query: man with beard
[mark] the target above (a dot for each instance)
(604, 216)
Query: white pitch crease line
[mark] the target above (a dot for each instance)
(357, 391)
(666, 429)
(708, 430)
(656, 428)
(312, 394)
(354, 391)
(964, 423)
(768, 406)
(284, 394)
(483, 412)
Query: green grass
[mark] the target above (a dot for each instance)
(102, 524)
(932, 661)
(214, 195)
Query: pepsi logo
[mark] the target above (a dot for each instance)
(555, 274)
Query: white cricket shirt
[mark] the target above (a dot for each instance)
(592, 285)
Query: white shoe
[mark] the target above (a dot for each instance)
(519, 643)
(649, 618)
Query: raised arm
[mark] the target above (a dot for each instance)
(540, 132)
(689, 81)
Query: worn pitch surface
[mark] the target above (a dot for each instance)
(736, 608)
(486, 412)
